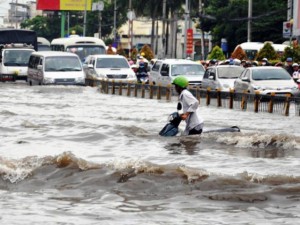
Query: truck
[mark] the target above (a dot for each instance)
(16, 46)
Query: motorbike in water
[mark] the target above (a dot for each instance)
(172, 127)
(142, 77)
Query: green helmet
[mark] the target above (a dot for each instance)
(181, 81)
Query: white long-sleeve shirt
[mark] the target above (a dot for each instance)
(190, 104)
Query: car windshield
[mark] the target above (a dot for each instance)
(270, 74)
(229, 72)
(85, 50)
(112, 63)
(16, 57)
(186, 69)
(62, 63)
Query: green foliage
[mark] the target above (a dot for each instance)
(43, 26)
(293, 52)
(228, 19)
(268, 52)
(216, 53)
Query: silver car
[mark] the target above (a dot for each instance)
(221, 77)
(266, 80)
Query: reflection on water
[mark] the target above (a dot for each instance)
(267, 153)
(189, 145)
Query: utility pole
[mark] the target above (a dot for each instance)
(16, 12)
(202, 32)
(249, 20)
(84, 18)
(68, 28)
(186, 26)
(100, 24)
(115, 20)
(130, 27)
(164, 30)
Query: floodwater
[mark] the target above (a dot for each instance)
(71, 155)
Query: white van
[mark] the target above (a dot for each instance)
(165, 71)
(54, 67)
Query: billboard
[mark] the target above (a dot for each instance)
(79, 5)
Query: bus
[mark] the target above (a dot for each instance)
(252, 48)
(43, 44)
(82, 46)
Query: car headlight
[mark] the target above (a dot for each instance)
(80, 79)
(48, 80)
(294, 87)
(257, 88)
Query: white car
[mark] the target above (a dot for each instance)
(109, 67)
(266, 80)
(221, 77)
(165, 71)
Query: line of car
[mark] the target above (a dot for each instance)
(50, 67)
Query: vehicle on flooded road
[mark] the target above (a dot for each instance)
(109, 67)
(221, 77)
(16, 46)
(81, 46)
(52, 67)
(165, 71)
(43, 44)
(266, 80)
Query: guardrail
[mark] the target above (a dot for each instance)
(283, 105)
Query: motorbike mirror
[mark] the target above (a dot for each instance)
(179, 106)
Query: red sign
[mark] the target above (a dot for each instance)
(64, 5)
(189, 41)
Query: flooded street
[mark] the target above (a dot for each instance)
(72, 155)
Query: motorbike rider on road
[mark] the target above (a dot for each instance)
(194, 122)
(141, 71)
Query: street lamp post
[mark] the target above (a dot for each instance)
(249, 20)
(84, 18)
(130, 16)
(115, 20)
(291, 31)
(163, 30)
(186, 26)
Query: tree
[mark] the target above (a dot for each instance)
(46, 27)
(239, 53)
(148, 54)
(134, 53)
(120, 51)
(228, 19)
(268, 52)
(293, 53)
(216, 53)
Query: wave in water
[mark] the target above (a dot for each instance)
(67, 172)
(256, 140)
